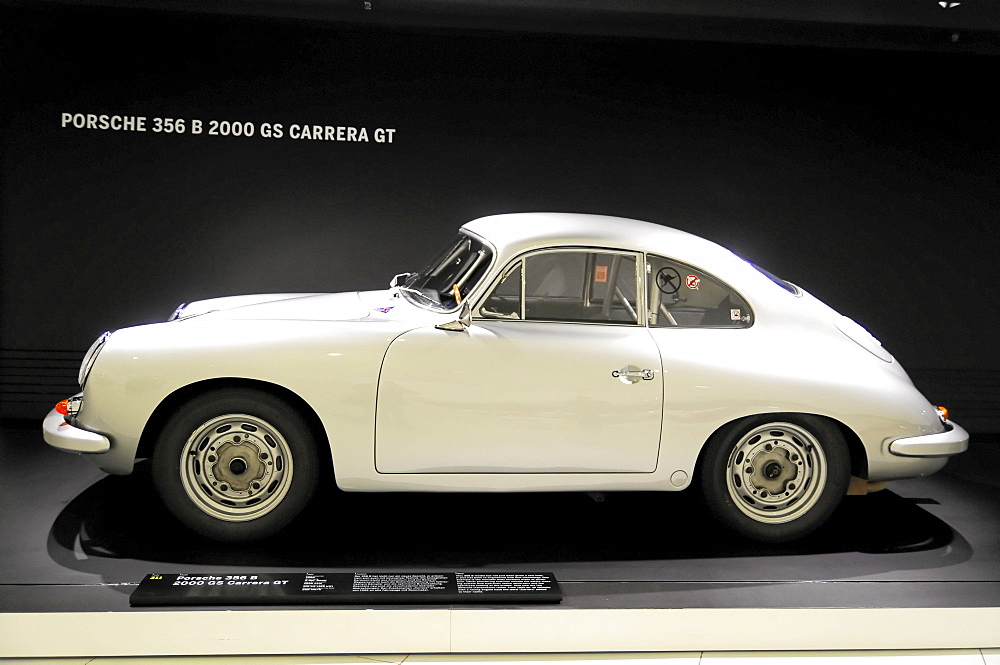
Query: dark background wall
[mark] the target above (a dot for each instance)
(869, 176)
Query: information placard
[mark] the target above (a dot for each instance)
(336, 588)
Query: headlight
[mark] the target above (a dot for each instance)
(88, 360)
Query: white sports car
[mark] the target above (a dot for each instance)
(538, 352)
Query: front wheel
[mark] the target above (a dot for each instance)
(236, 465)
(776, 478)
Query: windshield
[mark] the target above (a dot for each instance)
(449, 278)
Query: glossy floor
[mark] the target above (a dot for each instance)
(72, 538)
(917, 566)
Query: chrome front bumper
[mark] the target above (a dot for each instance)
(60, 434)
(952, 441)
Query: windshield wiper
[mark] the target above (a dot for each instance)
(407, 289)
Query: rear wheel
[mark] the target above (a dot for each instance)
(236, 465)
(776, 478)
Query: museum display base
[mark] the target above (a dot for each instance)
(465, 630)
(914, 567)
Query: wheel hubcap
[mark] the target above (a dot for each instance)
(776, 472)
(236, 467)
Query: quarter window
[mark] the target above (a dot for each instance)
(686, 297)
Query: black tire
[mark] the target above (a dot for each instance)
(236, 465)
(776, 477)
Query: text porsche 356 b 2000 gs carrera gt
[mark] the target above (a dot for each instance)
(572, 352)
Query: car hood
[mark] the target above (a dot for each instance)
(274, 306)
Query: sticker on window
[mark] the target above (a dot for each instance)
(668, 280)
(600, 274)
(692, 282)
(734, 314)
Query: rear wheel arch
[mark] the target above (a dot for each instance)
(859, 456)
(805, 508)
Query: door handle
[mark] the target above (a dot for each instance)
(630, 374)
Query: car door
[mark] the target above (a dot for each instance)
(556, 374)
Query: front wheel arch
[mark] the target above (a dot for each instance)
(169, 405)
(236, 464)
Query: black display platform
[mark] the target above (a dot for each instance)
(73, 539)
(270, 589)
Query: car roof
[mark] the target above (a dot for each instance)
(514, 233)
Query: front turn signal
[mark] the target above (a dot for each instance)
(942, 411)
(62, 407)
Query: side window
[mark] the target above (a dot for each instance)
(567, 285)
(686, 297)
(505, 301)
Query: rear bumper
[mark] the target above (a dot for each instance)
(60, 434)
(952, 441)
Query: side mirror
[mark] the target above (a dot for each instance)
(398, 279)
(463, 321)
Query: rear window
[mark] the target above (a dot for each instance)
(786, 285)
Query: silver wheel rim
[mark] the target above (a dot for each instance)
(236, 467)
(776, 473)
